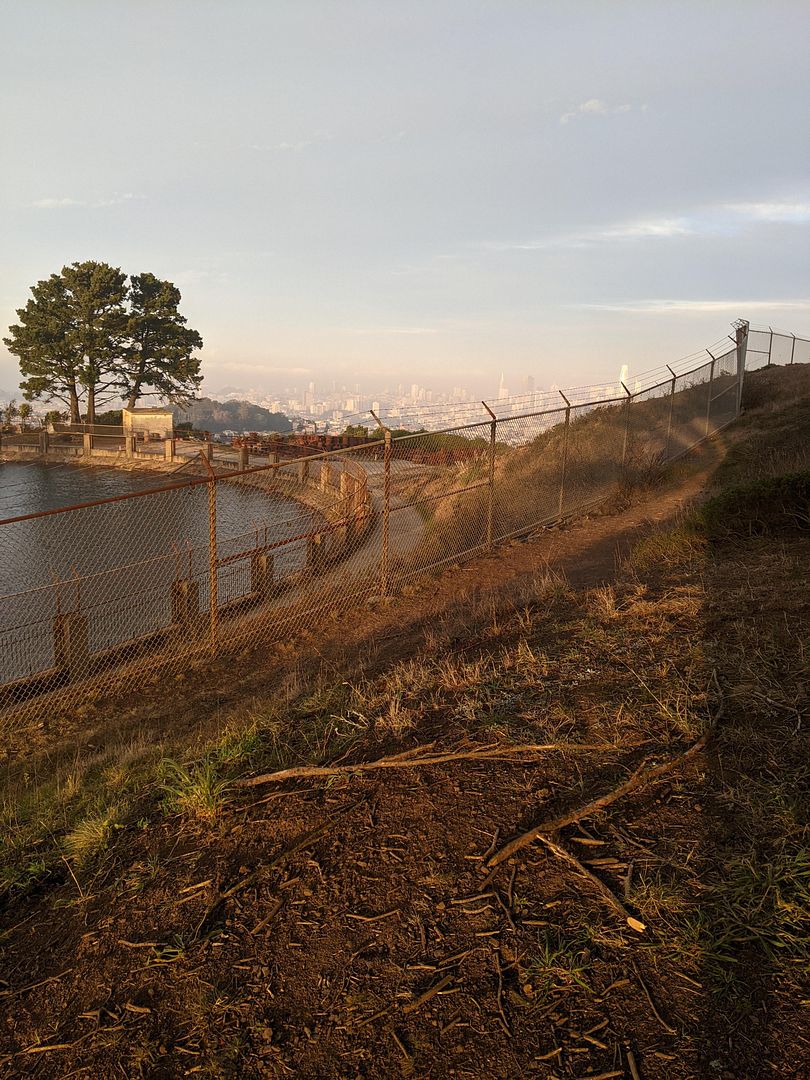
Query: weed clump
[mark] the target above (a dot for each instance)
(196, 790)
(91, 836)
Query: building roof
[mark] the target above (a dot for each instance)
(150, 409)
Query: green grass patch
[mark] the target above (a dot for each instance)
(765, 507)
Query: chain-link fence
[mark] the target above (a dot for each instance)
(242, 548)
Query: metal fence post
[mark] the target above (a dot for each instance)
(741, 343)
(213, 564)
(793, 348)
(493, 428)
(671, 409)
(564, 465)
(386, 522)
(213, 558)
(626, 425)
(709, 400)
(770, 346)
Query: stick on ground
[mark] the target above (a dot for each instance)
(410, 760)
(640, 777)
(601, 888)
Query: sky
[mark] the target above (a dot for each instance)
(434, 192)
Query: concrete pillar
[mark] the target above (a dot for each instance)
(185, 601)
(168, 449)
(208, 451)
(87, 444)
(44, 443)
(71, 644)
(274, 457)
(304, 470)
(316, 551)
(244, 458)
(261, 574)
(129, 446)
(326, 469)
(344, 535)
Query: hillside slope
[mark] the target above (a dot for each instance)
(172, 921)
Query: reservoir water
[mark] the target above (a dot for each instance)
(116, 562)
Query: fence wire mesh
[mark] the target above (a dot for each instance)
(246, 547)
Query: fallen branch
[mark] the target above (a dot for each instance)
(410, 760)
(33, 986)
(639, 778)
(602, 889)
(428, 994)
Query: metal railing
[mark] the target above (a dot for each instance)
(231, 553)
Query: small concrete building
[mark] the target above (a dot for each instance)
(149, 423)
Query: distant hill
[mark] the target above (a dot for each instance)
(209, 415)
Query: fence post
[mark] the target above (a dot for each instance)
(770, 346)
(626, 425)
(564, 467)
(709, 400)
(671, 410)
(493, 430)
(741, 343)
(213, 564)
(386, 522)
(793, 348)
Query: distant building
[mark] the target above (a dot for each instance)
(148, 423)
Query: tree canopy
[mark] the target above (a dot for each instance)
(87, 337)
(209, 415)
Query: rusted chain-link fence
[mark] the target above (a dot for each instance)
(238, 549)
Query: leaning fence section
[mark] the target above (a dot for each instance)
(243, 550)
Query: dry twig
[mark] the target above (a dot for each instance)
(410, 759)
(640, 777)
(602, 889)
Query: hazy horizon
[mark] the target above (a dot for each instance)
(383, 193)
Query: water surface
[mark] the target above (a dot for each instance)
(116, 562)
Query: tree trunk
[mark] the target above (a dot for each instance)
(91, 405)
(75, 416)
(135, 392)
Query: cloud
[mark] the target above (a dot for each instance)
(54, 204)
(317, 138)
(58, 203)
(720, 219)
(594, 107)
(793, 213)
(655, 228)
(645, 229)
(665, 307)
(392, 330)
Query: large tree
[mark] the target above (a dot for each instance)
(86, 337)
(162, 346)
(98, 322)
(48, 362)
